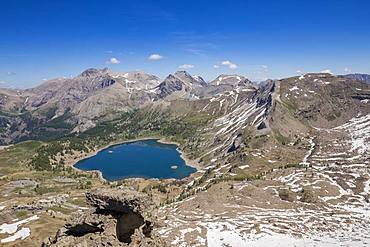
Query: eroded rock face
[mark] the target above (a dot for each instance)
(120, 217)
(120, 201)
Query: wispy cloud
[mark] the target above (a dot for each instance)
(155, 57)
(229, 64)
(114, 60)
(186, 66)
(198, 44)
(10, 73)
(197, 52)
(347, 70)
(2, 82)
(216, 66)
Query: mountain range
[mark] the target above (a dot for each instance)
(96, 95)
(359, 77)
(281, 153)
(72, 105)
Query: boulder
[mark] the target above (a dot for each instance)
(287, 195)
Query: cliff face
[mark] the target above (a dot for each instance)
(119, 217)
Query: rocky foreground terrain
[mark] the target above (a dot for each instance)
(284, 162)
(119, 217)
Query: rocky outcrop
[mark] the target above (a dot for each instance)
(308, 195)
(286, 195)
(236, 143)
(119, 217)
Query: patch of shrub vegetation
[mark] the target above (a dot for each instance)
(280, 138)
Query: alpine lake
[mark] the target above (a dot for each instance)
(138, 159)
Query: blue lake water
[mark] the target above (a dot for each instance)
(144, 159)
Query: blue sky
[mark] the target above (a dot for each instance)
(260, 39)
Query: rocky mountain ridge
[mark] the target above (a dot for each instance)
(234, 80)
(359, 77)
(67, 105)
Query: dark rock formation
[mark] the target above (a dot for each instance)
(261, 126)
(236, 143)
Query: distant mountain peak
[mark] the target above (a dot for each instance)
(182, 73)
(359, 77)
(94, 72)
(188, 78)
(233, 79)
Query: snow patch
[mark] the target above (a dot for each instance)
(293, 88)
(21, 234)
(12, 228)
(359, 129)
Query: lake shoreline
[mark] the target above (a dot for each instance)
(189, 162)
(72, 161)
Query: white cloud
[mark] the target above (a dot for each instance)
(265, 68)
(114, 60)
(216, 66)
(155, 57)
(347, 70)
(10, 73)
(186, 66)
(328, 71)
(229, 64)
(2, 82)
(299, 71)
